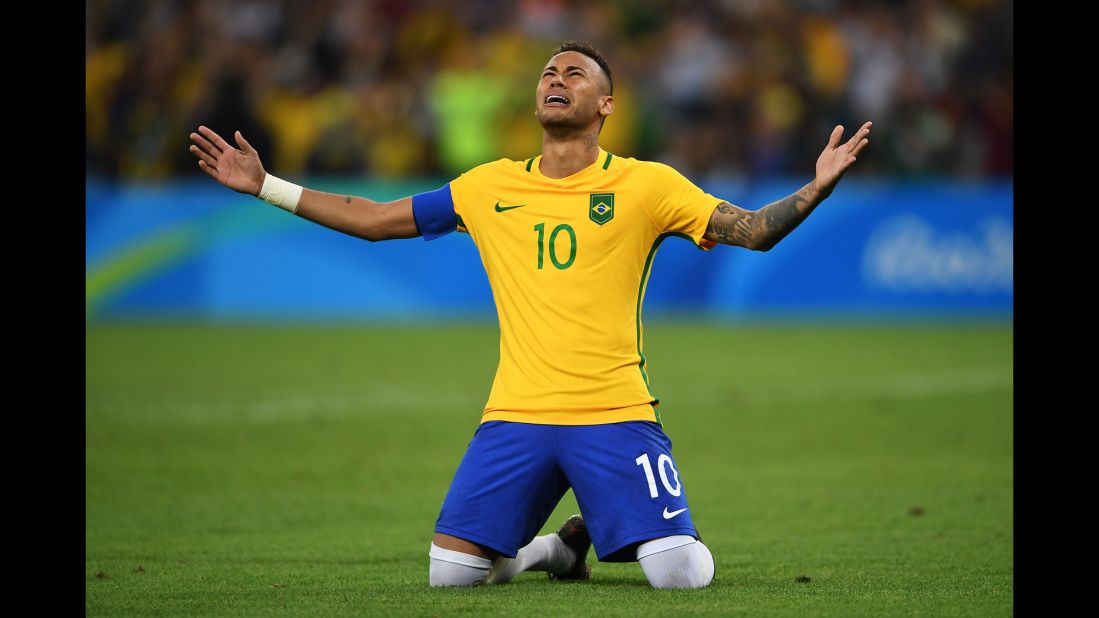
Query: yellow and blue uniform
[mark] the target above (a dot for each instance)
(567, 260)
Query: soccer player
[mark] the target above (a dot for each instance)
(567, 239)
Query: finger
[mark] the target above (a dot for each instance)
(210, 171)
(849, 145)
(203, 156)
(857, 149)
(215, 138)
(857, 138)
(834, 139)
(244, 145)
(205, 145)
(863, 131)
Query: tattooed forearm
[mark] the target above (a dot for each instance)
(762, 229)
(781, 217)
(730, 225)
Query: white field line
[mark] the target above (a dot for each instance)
(418, 400)
(916, 385)
(300, 407)
(913, 385)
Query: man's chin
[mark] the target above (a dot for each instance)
(559, 122)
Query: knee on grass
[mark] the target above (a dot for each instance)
(453, 568)
(676, 562)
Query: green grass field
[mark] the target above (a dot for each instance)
(299, 470)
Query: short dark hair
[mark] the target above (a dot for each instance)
(590, 52)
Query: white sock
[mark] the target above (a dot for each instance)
(676, 562)
(544, 553)
(453, 568)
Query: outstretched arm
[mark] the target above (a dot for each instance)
(241, 170)
(762, 229)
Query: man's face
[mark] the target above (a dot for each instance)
(572, 92)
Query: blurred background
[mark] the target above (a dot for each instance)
(387, 98)
(274, 410)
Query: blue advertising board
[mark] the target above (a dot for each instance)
(197, 251)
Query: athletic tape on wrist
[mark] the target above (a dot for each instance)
(281, 193)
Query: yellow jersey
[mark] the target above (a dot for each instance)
(568, 260)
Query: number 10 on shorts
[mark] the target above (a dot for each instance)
(663, 463)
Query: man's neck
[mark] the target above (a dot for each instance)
(564, 156)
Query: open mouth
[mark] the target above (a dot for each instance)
(556, 100)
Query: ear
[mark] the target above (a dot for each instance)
(606, 106)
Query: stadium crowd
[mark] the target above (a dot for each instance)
(399, 88)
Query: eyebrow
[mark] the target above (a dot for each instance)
(567, 69)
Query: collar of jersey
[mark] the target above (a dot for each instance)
(573, 178)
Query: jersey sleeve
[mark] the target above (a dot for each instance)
(678, 206)
(464, 190)
(441, 211)
(434, 213)
(448, 208)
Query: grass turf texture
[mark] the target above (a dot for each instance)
(299, 470)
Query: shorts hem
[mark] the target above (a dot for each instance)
(621, 544)
(625, 414)
(478, 539)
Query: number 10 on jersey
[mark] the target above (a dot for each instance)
(663, 463)
(557, 263)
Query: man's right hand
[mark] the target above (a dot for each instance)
(240, 170)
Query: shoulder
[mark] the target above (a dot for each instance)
(499, 167)
(651, 172)
(643, 167)
(478, 180)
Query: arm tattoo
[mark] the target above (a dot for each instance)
(781, 217)
(732, 227)
(762, 229)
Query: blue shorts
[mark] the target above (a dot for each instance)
(514, 474)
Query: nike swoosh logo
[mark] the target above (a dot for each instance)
(668, 515)
(502, 209)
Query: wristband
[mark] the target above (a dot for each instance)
(278, 192)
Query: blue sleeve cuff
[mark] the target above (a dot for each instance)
(434, 213)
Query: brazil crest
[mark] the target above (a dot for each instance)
(602, 207)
